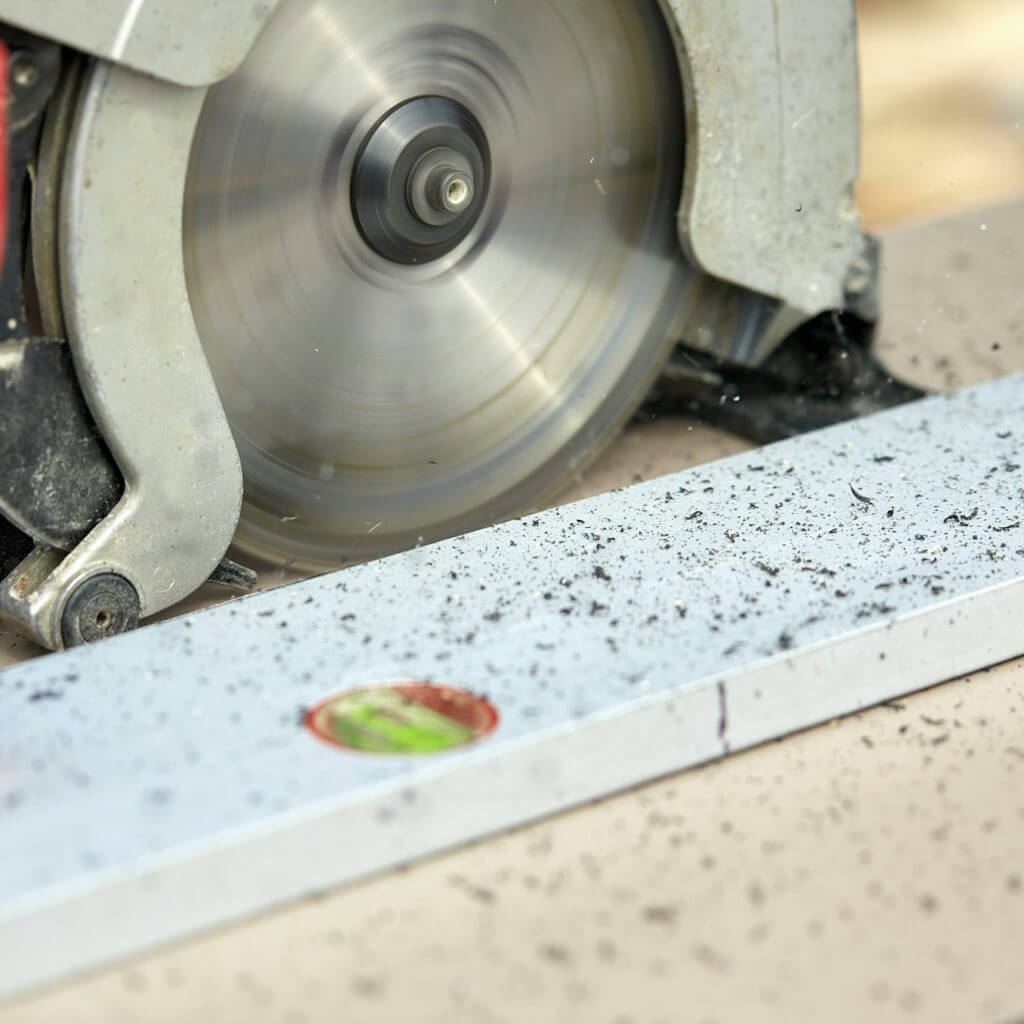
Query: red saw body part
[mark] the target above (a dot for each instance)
(3, 147)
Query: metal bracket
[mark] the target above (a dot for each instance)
(773, 151)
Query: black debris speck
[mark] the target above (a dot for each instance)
(862, 498)
(961, 518)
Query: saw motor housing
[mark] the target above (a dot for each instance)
(121, 477)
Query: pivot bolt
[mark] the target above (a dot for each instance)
(102, 606)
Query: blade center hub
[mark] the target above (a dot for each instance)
(420, 180)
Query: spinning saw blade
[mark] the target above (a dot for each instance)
(431, 255)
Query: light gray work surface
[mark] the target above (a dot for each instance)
(161, 782)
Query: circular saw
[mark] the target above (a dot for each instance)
(329, 279)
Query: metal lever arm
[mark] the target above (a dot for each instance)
(144, 377)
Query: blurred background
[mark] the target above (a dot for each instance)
(943, 106)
